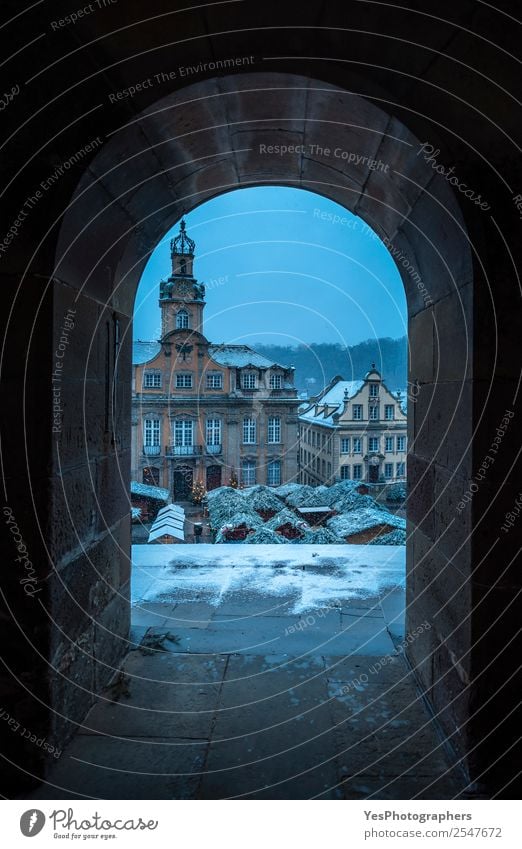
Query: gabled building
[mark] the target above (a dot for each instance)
(353, 430)
(206, 412)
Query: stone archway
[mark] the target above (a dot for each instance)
(206, 139)
(221, 135)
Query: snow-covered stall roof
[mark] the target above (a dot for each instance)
(171, 509)
(148, 491)
(396, 537)
(286, 489)
(265, 500)
(166, 527)
(357, 521)
(321, 536)
(223, 503)
(264, 536)
(286, 517)
(250, 520)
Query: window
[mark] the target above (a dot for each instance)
(345, 473)
(323, 468)
(329, 470)
(183, 381)
(215, 380)
(182, 320)
(357, 412)
(183, 433)
(401, 443)
(152, 380)
(357, 445)
(374, 413)
(388, 443)
(388, 471)
(213, 432)
(357, 472)
(401, 470)
(345, 445)
(274, 429)
(248, 381)
(248, 472)
(151, 433)
(273, 473)
(182, 266)
(374, 390)
(249, 431)
(373, 443)
(389, 412)
(323, 440)
(276, 381)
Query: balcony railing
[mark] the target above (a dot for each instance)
(183, 450)
(152, 450)
(214, 449)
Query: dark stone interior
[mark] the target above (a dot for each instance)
(370, 78)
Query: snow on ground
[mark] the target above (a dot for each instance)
(310, 576)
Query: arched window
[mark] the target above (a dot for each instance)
(182, 320)
(182, 266)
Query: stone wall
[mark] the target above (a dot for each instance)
(88, 236)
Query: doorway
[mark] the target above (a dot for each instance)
(213, 477)
(183, 477)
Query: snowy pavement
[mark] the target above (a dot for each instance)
(270, 672)
(303, 577)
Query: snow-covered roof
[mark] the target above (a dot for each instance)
(333, 400)
(167, 528)
(174, 521)
(356, 521)
(174, 509)
(142, 352)
(286, 517)
(240, 356)
(148, 491)
(264, 536)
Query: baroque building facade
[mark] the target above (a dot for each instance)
(353, 430)
(203, 412)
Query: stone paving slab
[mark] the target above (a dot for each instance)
(151, 614)
(279, 702)
(382, 727)
(197, 614)
(151, 768)
(293, 635)
(164, 695)
(414, 787)
(393, 604)
(249, 768)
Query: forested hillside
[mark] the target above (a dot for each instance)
(316, 365)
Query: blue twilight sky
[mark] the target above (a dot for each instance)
(281, 268)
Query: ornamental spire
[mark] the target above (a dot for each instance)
(182, 245)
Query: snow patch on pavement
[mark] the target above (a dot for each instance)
(308, 578)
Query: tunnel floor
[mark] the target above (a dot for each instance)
(235, 691)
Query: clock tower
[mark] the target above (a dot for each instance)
(181, 297)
